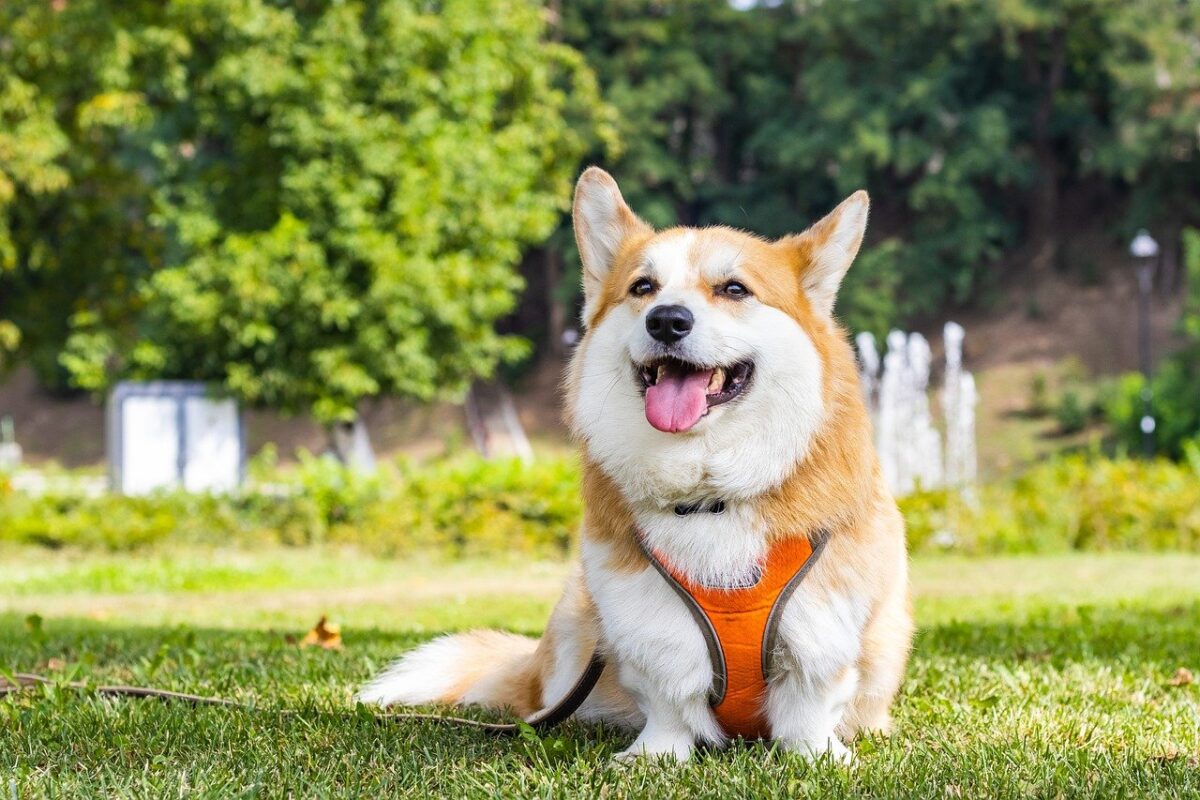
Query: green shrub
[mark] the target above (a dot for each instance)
(469, 506)
(1174, 403)
(1039, 395)
(1071, 503)
(455, 507)
(472, 506)
(1071, 413)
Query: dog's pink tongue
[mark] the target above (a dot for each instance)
(677, 401)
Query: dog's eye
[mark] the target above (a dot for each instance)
(640, 287)
(734, 289)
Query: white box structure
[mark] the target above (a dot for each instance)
(171, 435)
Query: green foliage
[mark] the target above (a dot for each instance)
(77, 236)
(307, 204)
(473, 506)
(469, 506)
(456, 507)
(1071, 503)
(963, 119)
(1189, 321)
(30, 145)
(1039, 394)
(1071, 413)
(1174, 388)
(310, 203)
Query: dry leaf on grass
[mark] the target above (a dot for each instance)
(1183, 677)
(56, 664)
(324, 634)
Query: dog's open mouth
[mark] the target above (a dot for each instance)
(679, 394)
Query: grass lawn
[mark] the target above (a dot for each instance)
(1047, 677)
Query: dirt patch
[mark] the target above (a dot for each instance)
(1096, 324)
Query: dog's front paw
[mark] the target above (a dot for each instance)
(814, 749)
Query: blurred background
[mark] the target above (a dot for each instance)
(348, 221)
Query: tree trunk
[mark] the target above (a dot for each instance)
(1042, 219)
(1046, 74)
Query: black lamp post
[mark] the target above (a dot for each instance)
(1144, 250)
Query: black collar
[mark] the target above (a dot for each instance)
(683, 509)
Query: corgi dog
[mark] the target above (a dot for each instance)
(717, 405)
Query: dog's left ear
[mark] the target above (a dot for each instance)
(826, 250)
(603, 223)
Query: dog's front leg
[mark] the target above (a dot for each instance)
(660, 653)
(816, 675)
(670, 721)
(805, 708)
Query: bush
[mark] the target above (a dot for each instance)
(1039, 395)
(1071, 413)
(1174, 403)
(469, 506)
(1071, 503)
(455, 507)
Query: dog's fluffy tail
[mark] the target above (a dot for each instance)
(487, 668)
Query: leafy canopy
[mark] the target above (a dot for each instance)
(965, 119)
(315, 202)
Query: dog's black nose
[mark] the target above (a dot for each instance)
(669, 324)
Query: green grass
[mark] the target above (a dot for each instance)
(1031, 678)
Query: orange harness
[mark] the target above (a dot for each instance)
(740, 626)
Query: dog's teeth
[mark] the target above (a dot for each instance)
(659, 373)
(717, 382)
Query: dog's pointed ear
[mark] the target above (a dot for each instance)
(603, 222)
(826, 250)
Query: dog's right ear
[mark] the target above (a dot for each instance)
(603, 222)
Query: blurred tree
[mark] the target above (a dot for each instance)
(1151, 146)
(964, 119)
(766, 118)
(80, 239)
(30, 143)
(191, 151)
(324, 200)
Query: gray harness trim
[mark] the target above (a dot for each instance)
(716, 655)
(771, 633)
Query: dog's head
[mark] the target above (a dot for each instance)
(703, 367)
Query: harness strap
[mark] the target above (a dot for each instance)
(549, 717)
(741, 625)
